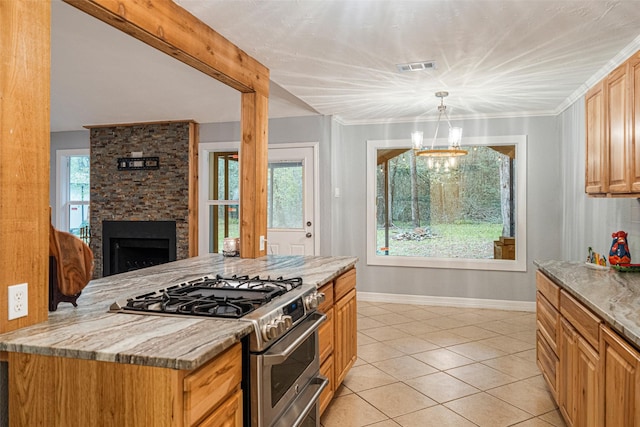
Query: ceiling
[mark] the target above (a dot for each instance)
(497, 58)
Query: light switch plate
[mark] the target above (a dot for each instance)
(18, 301)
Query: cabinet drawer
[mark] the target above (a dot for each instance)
(325, 336)
(210, 384)
(326, 369)
(229, 414)
(585, 322)
(344, 284)
(548, 321)
(327, 290)
(550, 290)
(548, 364)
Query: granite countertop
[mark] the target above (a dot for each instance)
(612, 295)
(89, 331)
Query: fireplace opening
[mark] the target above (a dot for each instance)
(131, 245)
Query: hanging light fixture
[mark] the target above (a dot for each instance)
(455, 137)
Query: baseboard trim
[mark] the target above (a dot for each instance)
(448, 301)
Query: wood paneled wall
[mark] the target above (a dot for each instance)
(24, 155)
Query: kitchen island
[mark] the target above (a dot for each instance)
(588, 342)
(95, 351)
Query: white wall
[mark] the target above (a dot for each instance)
(589, 221)
(544, 212)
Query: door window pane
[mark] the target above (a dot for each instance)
(78, 218)
(223, 198)
(285, 195)
(224, 223)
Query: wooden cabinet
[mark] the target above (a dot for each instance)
(621, 380)
(595, 140)
(338, 335)
(612, 124)
(567, 352)
(107, 393)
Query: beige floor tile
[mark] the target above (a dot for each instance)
(470, 318)
(444, 322)
(537, 381)
(377, 351)
(534, 400)
(417, 327)
(385, 333)
(473, 332)
(487, 411)
(442, 359)
(365, 377)
(434, 416)
(420, 314)
(502, 327)
(372, 310)
(351, 410)
(360, 361)
(411, 345)
(442, 310)
(441, 387)
(477, 351)
(364, 339)
(514, 366)
(404, 368)
(533, 422)
(554, 418)
(391, 319)
(343, 390)
(386, 423)
(508, 344)
(444, 338)
(365, 323)
(529, 355)
(481, 376)
(396, 399)
(400, 308)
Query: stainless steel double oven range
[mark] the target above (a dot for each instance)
(281, 360)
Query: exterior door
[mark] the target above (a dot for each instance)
(290, 201)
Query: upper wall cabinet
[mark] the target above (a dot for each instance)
(612, 109)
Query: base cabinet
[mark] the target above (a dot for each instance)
(338, 335)
(58, 391)
(621, 381)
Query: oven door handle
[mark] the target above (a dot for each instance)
(291, 341)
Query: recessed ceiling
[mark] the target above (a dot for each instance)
(495, 57)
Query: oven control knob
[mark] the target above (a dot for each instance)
(311, 302)
(269, 332)
(321, 297)
(280, 326)
(288, 321)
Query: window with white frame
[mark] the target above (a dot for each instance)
(73, 191)
(460, 213)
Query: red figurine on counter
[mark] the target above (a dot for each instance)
(619, 253)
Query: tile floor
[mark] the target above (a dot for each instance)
(421, 366)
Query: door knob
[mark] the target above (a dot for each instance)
(308, 234)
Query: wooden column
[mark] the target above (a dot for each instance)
(171, 29)
(24, 155)
(253, 174)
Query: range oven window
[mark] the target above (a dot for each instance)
(284, 375)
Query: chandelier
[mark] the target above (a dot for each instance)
(455, 136)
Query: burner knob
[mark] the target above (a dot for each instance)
(321, 297)
(288, 321)
(311, 302)
(280, 326)
(269, 332)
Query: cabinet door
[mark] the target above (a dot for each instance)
(345, 337)
(620, 378)
(617, 107)
(634, 128)
(229, 414)
(567, 372)
(595, 137)
(588, 397)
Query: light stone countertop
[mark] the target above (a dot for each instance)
(89, 331)
(612, 295)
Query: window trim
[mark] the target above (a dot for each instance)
(519, 264)
(62, 185)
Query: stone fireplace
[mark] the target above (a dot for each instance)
(148, 215)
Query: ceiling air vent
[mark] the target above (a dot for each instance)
(416, 66)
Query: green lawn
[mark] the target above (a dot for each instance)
(473, 241)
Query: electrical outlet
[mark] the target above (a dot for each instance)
(18, 301)
(262, 241)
